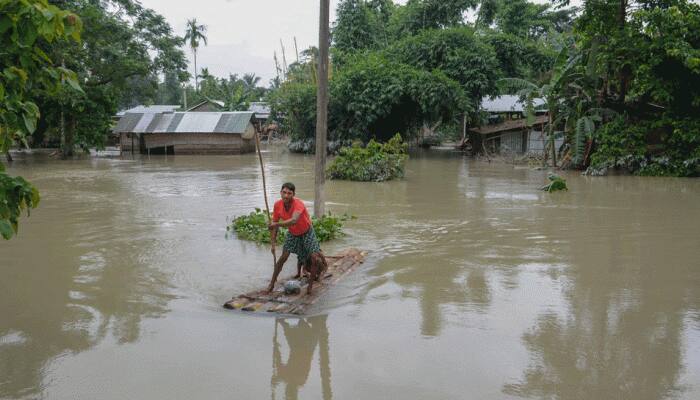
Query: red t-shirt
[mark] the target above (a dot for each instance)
(303, 223)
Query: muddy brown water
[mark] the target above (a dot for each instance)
(477, 285)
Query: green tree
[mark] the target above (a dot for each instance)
(361, 25)
(25, 28)
(170, 90)
(117, 65)
(456, 52)
(194, 33)
(418, 15)
(643, 58)
(376, 97)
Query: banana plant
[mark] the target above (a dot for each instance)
(562, 73)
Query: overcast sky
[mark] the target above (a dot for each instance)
(243, 34)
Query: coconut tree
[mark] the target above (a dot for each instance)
(250, 83)
(194, 33)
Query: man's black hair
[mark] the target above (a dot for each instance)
(289, 186)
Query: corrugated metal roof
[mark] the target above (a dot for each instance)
(185, 122)
(233, 122)
(177, 117)
(127, 122)
(259, 107)
(198, 122)
(143, 123)
(506, 103)
(157, 108)
(160, 123)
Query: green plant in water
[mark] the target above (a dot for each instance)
(376, 162)
(254, 227)
(557, 183)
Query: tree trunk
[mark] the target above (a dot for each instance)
(8, 156)
(67, 150)
(625, 71)
(321, 110)
(196, 86)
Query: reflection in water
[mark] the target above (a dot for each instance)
(592, 293)
(90, 278)
(622, 335)
(302, 336)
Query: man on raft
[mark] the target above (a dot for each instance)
(291, 213)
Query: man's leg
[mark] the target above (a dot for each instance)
(317, 268)
(278, 268)
(300, 268)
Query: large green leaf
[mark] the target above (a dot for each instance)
(6, 229)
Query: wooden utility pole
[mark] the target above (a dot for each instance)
(321, 110)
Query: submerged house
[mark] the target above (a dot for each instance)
(261, 110)
(507, 130)
(187, 132)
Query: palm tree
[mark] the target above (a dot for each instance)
(250, 81)
(193, 34)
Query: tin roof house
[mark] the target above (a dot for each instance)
(506, 128)
(187, 132)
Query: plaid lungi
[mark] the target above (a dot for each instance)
(303, 246)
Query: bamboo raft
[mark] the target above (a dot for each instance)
(279, 302)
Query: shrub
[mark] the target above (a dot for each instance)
(625, 144)
(377, 162)
(254, 227)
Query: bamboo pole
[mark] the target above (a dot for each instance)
(267, 205)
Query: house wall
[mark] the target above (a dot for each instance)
(535, 145)
(512, 142)
(200, 143)
(125, 141)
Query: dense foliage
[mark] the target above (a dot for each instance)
(376, 162)
(124, 49)
(26, 29)
(254, 227)
(414, 69)
(647, 60)
(375, 97)
(627, 146)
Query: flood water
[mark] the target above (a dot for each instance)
(477, 285)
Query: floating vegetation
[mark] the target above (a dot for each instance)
(557, 183)
(376, 162)
(254, 227)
